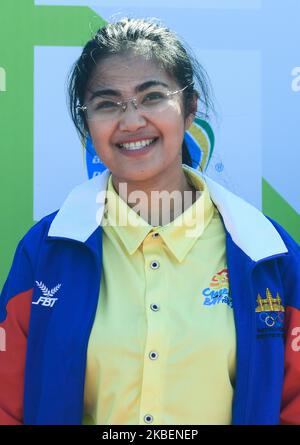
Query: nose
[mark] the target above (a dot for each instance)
(131, 119)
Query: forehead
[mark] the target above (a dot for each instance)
(126, 72)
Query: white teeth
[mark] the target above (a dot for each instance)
(137, 145)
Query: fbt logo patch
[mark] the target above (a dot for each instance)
(47, 298)
(45, 301)
(218, 290)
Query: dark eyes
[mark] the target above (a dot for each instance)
(153, 96)
(105, 105)
(148, 98)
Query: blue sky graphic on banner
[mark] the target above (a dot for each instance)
(250, 50)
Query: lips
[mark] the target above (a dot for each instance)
(136, 145)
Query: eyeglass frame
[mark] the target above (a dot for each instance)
(124, 103)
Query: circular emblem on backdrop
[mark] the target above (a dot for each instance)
(199, 139)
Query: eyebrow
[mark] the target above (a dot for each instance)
(150, 83)
(116, 93)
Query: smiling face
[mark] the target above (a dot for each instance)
(139, 145)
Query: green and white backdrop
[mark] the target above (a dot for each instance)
(250, 49)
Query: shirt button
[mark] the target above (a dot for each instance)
(155, 235)
(155, 307)
(154, 265)
(148, 418)
(153, 355)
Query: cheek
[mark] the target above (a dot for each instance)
(98, 133)
(100, 138)
(174, 130)
(172, 123)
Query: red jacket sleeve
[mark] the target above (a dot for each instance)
(15, 304)
(13, 341)
(290, 407)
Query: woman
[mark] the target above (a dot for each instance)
(121, 310)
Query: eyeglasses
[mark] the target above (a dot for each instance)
(104, 109)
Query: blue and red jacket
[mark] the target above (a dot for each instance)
(49, 301)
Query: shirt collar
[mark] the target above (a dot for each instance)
(82, 213)
(127, 224)
(179, 235)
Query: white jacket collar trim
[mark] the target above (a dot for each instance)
(82, 212)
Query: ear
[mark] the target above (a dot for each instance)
(193, 109)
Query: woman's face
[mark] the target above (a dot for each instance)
(123, 77)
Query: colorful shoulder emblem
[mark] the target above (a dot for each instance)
(270, 312)
(218, 291)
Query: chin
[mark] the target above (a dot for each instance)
(137, 175)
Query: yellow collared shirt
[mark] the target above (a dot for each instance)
(162, 348)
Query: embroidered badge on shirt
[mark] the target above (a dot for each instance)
(270, 313)
(218, 291)
(46, 299)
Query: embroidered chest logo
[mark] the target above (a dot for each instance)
(218, 291)
(48, 294)
(270, 312)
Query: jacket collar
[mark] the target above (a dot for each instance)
(250, 230)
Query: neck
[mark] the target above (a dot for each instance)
(158, 200)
